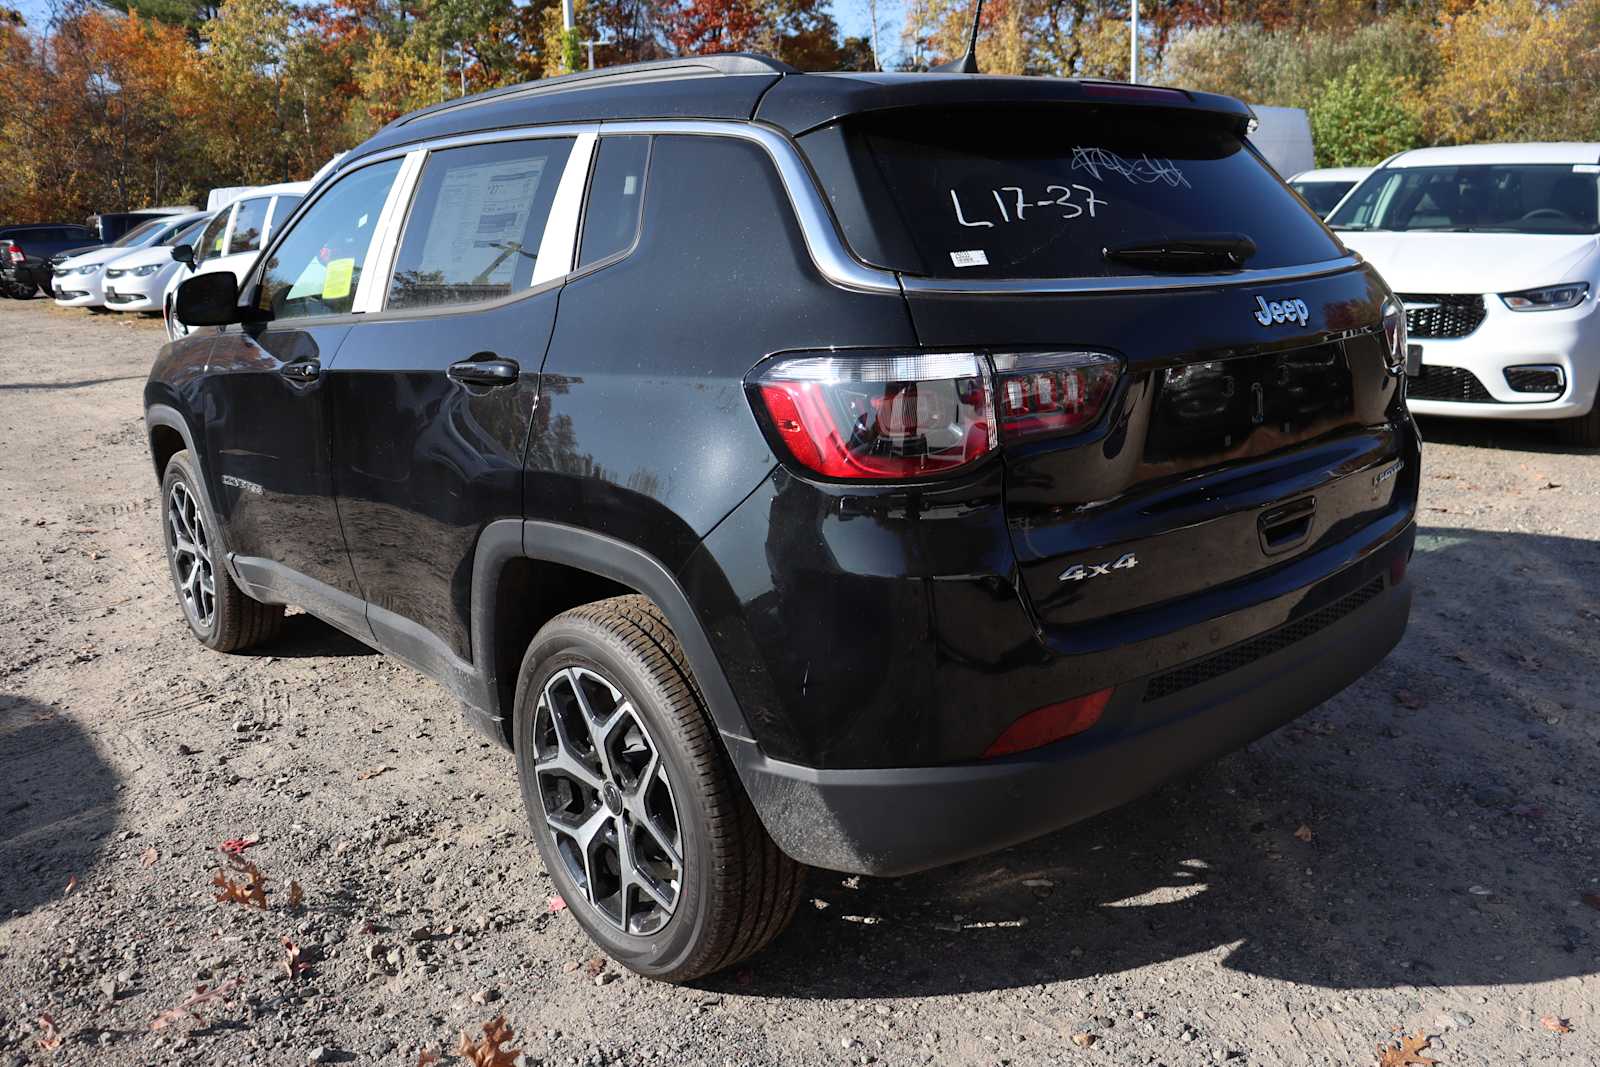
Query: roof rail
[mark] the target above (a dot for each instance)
(729, 63)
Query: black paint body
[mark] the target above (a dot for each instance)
(843, 626)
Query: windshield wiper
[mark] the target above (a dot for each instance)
(1197, 252)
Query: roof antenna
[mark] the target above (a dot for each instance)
(967, 64)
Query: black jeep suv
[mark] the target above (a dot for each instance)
(865, 471)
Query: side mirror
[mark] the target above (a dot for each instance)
(184, 254)
(209, 300)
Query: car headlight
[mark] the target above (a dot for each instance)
(1555, 298)
(90, 269)
(145, 271)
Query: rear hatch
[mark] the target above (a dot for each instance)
(1252, 422)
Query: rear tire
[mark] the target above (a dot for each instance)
(217, 611)
(1583, 431)
(641, 821)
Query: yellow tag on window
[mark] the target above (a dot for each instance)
(336, 283)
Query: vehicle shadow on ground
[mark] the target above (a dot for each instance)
(57, 804)
(1497, 434)
(308, 637)
(44, 386)
(1449, 799)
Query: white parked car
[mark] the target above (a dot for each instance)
(1325, 187)
(232, 239)
(137, 280)
(78, 282)
(1495, 251)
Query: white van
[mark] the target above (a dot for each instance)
(232, 239)
(1495, 251)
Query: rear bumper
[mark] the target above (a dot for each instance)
(896, 821)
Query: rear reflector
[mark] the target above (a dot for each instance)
(1051, 723)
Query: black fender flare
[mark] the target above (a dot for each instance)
(170, 417)
(626, 564)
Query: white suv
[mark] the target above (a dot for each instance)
(232, 239)
(1495, 251)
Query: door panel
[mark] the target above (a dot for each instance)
(268, 436)
(422, 462)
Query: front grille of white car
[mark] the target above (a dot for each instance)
(1442, 315)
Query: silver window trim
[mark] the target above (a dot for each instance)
(559, 246)
(372, 290)
(826, 244)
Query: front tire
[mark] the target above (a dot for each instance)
(641, 821)
(217, 611)
(1583, 431)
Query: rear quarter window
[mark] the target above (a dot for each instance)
(1041, 193)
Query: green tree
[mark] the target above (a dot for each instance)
(1361, 117)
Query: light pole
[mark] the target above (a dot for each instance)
(1133, 50)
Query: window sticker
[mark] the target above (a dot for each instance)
(1586, 168)
(971, 258)
(336, 282)
(477, 228)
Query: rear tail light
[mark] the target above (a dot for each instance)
(1051, 723)
(880, 416)
(15, 252)
(885, 417)
(1054, 392)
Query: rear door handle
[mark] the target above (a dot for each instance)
(306, 370)
(484, 371)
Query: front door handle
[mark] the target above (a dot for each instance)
(306, 370)
(484, 371)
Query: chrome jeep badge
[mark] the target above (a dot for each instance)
(1282, 311)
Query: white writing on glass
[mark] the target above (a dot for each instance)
(1145, 170)
(1015, 205)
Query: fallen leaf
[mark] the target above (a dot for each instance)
(486, 1051)
(1528, 811)
(50, 1039)
(1304, 833)
(1083, 1040)
(148, 857)
(1593, 900)
(72, 883)
(1551, 485)
(368, 775)
(1555, 1024)
(251, 892)
(235, 845)
(296, 896)
(1407, 1052)
(190, 1005)
(1407, 699)
(427, 1057)
(292, 963)
(594, 966)
(557, 903)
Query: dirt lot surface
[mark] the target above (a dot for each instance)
(1419, 855)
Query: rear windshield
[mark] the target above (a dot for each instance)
(1493, 198)
(1042, 193)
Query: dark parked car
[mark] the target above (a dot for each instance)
(800, 469)
(25, 253)
(110, 227)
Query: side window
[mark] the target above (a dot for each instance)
(477, 221)
(210, 243)
(316, 267)
(249, 220)
(611, 218)
(282, 208)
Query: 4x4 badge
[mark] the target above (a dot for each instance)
(1282, 311)
(1079, 571)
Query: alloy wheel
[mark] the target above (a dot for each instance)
(191, 556)
(607, 800)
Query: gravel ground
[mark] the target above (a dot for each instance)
(1417, 856)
